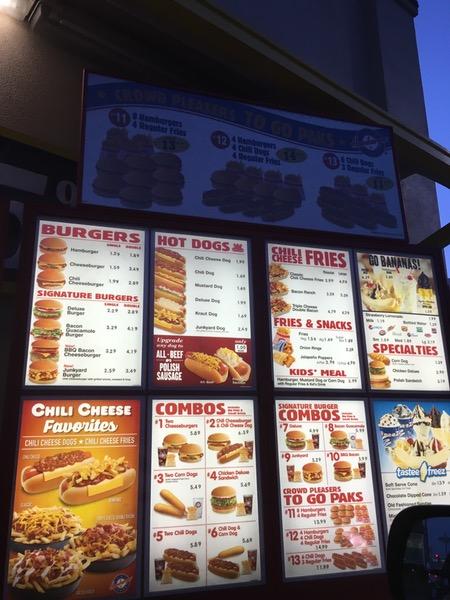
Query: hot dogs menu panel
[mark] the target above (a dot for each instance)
(413, 441)
(74, 529)
(202, 319)
(401, 323)
(204, 509)
(87, 306)
(312, 315)
(328, 514)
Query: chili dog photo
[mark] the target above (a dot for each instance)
(47, 473)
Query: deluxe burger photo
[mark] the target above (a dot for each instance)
(343, 471)
(339, 439)
(312, 472)
(223, 499)
(295, 439)
(47, 309)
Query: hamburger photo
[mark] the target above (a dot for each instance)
(339, 439)
(52, 260)
(47, 328)
(295, 439)
(53, 244)
(312, 473)
(217, 441)
(51, 279)
(223, 499)
(43, 349)
(378, 376)
(190, 453)
(43, 371)
(342, 470)
(47, 309)
(174, 441)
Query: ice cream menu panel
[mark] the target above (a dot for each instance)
(401, 323)
(87, 306)
(314, 337)
(204, 505)
(74, 530)
(201, 317)
(328, 514)
(413, 440)
(161, 150)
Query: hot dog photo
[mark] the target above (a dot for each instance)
(201, 312)
(76, 499)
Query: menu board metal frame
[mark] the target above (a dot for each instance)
(140, 472)
(82, 389)
(207, 388)
(376, 498)
(363, 342)
(233, 584)
(357, 320)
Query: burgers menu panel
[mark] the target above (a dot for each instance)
(202, 319)
(204, 504)
(401, 323)
(312, 314)
(87, 298)
(76, 499)
(328, 513)
(413, 440)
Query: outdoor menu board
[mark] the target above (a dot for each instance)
(87, 306)
(202, 312)
(413, 440)
(328, 514)
(162, 150)
(76, 499)
(314, 337)
(401, 323)
(203, 496)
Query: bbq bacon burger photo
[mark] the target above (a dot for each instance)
(223, 499)
(339, 439)
(295, 439)
(342, 470)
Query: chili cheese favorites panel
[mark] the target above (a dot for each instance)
(74, 531)
(204, 501)
(86, 317)
(313, 324)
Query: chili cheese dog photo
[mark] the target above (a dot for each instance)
(207, 367)
(47, 473)
(229, 453)
(169, 320)
(223, 568)
(96, 481)
(170, 257)
(169, 270)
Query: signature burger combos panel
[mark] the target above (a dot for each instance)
(162, 150)
(74, 528)
(413, 442)
(312, 314)
(327, 499)
(203, 495)
(202, 312)
(86, 317)
(401, 323)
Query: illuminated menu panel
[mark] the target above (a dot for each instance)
(401, 323)
(87, 306)
(314, 337)
(202, 312)
(328, 513)
(413, 441)
(76, 499)
(204, 503)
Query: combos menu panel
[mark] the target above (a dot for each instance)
(313, 324)
(74, 530)
(204, 526)
(327, 500)
(202, 312)
(85, 325)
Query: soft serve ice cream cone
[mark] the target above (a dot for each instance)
(421, 424)
(443, 433)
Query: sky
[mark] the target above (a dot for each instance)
(433, 42)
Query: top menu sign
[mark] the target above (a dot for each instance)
(161, 150)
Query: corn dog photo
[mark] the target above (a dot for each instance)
(174, 508)
(233, 551)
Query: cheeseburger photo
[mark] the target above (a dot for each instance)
(190, 453)
(312, 473)
(295, 439)
(223, 499)
(339, 439)
(217, 441)
(342, 471)
(174, 441)
(51, 279)
(52, 260)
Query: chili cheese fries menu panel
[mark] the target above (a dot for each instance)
(75, 524)
(204, 503)
(413, 440)
(202, 318)
(328, 513)
(314, 337)
(401, 323)
(87, 306)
